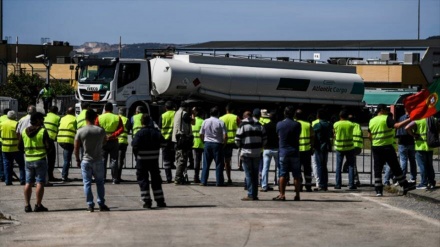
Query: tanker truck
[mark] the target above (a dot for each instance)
(216, 80)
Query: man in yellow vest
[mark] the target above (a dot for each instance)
(232, 122)
(51, 123)
(122, 142)
(9, 148)
(264, 117)
(358, 143)
(166, 123)
(2, 118)
(48, 95)
(306, 140)
(66, 139)
(135, 121)
(381, 133)
(34, 141)
(343, 136)
(113, 126)
(198, 146)
(81, 118)
(424, 153)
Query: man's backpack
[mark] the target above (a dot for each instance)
(432, 135)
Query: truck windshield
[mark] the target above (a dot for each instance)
(97, 74)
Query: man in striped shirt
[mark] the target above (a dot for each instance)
(250, 137)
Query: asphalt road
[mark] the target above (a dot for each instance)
(215, 216)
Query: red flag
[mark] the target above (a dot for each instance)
(425, 103)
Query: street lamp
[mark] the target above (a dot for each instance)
(47, 63)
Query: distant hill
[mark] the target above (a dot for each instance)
(128, 50)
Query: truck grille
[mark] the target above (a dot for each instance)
(88, 95)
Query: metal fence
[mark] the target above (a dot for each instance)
(364, 162)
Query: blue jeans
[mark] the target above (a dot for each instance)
(8, 162)
(388, 175)
(67, 156)
(350, 156)
(36, 171)
(97, 169)
(268, 154)
(250, 166)
(407, 152)
(213, 151)
(321, 159)
(426, 168)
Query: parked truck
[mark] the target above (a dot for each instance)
(209, 79)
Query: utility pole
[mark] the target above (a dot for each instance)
(418, 29)
(1, 20)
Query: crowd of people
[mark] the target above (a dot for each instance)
(299, 148)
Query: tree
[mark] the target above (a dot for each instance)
(25, 87)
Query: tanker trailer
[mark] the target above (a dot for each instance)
(219, 79)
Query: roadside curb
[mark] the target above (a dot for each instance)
(425, 195)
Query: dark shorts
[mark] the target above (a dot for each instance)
(289, 164)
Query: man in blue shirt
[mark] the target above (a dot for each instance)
(288, 132)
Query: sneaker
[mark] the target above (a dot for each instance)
(421, 187)
(116, 181)
(320, 189)
(337, 187)
(197, 180)
(91, 209)
(103, 208)
(396, 184)
(229, 181)
(40, 208)
(28, 209)
(431, 185)
(378, 194)
(247, 198)
(352, 188)
(411, 181)
(161, 204)
(147, 205)
(408, 187)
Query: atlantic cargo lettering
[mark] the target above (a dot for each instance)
(329, 89)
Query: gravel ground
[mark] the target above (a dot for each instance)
(424, 207)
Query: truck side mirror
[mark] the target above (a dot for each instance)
(76, 73)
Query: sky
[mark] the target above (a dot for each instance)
(197, 21)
